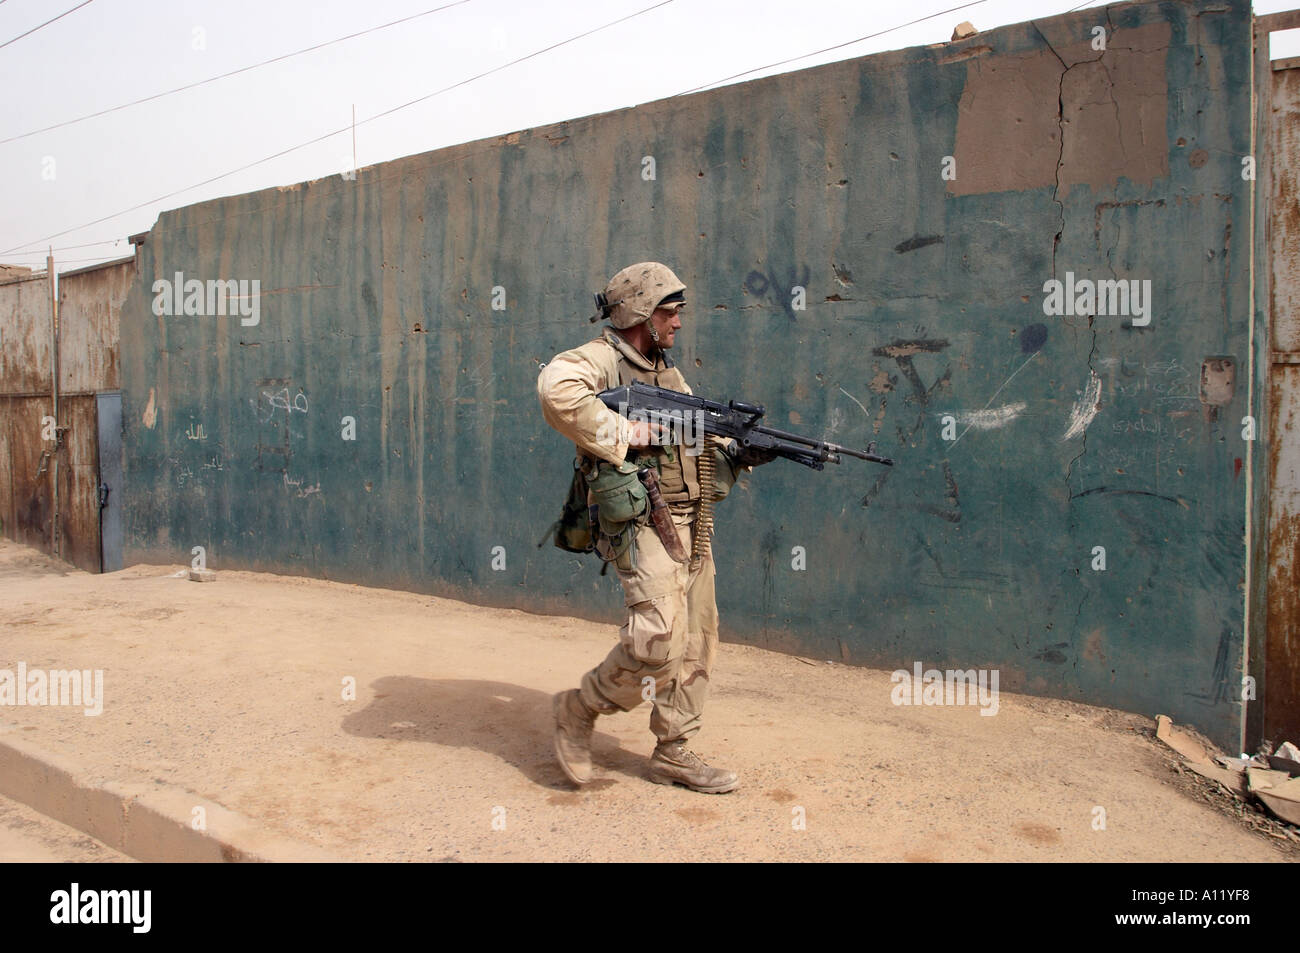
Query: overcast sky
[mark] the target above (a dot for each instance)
(58, 185)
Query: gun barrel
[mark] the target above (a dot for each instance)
(792, 437)
(863, 455)
(828, 451)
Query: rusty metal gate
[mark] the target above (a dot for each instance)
(1281, 689)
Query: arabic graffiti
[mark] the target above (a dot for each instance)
(769, 287)
(300, 491)
(280, 400)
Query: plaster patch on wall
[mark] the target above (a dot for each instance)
(1111, 108)
(150, 416)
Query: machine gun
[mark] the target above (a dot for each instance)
(735, 419)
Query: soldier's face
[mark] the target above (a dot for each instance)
(667, 322)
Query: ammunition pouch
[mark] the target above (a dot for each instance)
(619, 549)
(619, 502)
(618, 491)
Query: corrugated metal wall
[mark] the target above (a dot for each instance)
(90, 301)
(25, 336)
(924, 302)
(24, 485)
(25, 347)
(1281, 696)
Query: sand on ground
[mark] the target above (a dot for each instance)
(235, 690)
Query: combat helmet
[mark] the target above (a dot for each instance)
(632, 295)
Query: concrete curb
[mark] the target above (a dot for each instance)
(151, 822)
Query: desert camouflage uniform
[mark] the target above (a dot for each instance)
(671, 632)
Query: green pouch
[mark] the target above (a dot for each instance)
(619, 493)
(573, 531)
(619, 548)
(619, 498)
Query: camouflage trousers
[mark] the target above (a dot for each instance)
(667, 645)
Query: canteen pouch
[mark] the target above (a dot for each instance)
(619, 493)
(619, 500)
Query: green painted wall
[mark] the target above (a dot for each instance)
(924, 298)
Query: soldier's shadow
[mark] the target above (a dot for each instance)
(508, 721)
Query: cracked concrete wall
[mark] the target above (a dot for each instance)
(1069, 116)
(1024, 440)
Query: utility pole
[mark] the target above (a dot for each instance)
(55, 534)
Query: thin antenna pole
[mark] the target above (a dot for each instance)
(55, 530)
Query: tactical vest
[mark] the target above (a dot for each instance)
(678, 477)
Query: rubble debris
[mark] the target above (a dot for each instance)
(1233, 764)
(1286, 758)
(1252, 782)
(1179, 741)
(1278, 791)
(1262, 778)
(1284, 764)
(1234, 782)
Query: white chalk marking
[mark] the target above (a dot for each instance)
(990, 419)
(998, 391)
(1085, 408)
(855, 400)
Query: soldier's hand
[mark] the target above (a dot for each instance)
(641, 434)
(753, 457)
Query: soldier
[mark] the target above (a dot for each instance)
(671, 633)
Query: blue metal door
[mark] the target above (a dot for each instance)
(109, 408)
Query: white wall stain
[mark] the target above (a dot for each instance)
(990, 418)
(1085, 408)
(1001, 387)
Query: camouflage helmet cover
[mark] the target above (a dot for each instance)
(634, 292)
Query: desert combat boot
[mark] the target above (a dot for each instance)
(674, 763)
(573, 724)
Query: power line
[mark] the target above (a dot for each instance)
(65, 261)
(321, 138)
(837, 46)
(107, 241)
(445, 89)
(11, 258)
(236, 72)
(45, 24)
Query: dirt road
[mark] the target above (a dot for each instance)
(236, 690)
